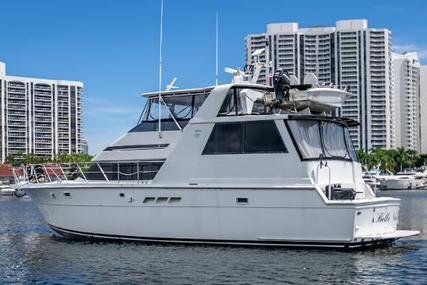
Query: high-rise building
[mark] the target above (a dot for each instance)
(84, 147)
(406, 88)
(39, 116)
(347, 55)
(423, 108)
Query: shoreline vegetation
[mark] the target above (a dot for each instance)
(34, 159)
(391, 160)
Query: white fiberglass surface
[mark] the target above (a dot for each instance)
(322, 138)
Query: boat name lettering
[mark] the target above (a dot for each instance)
(383, 218)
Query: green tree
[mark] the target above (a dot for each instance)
(401, 156)
(10, 159)
(392, 160)
(73, 157)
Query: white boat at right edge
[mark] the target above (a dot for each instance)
(230, 164)
(404, 180)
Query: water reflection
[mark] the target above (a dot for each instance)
(29, 254)
(413, 210)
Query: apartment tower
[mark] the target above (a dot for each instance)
(39, 116)
(406, 87)
(347, 55)
(423, 108)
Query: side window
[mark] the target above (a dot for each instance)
(244, 138)
(228, 107)
(263, 137)
(225, 138)
(243, 101)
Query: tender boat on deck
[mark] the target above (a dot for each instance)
(224, 165)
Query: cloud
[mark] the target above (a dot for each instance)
(401, 48)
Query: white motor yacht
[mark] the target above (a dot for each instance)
(373, 178)
(404, 180)
(229, 164)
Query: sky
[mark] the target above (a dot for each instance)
(113, 46)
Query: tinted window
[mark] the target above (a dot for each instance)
(225, 138)
(245, 137)
(123, 170)
(262, 136)
(153, 126)
(229, 105)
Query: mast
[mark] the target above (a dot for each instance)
(160, 67)
(216, 49)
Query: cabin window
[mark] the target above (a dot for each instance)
(262, 137)
(244, 138)
(132, 170)
(349, 145)
(153, 126)
(226, 138)
(243, 101)
(333, 139)
(317, 138)
(136, 147)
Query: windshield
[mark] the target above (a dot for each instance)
(315, 139)
(179, 108)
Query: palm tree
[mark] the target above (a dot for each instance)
(401, 156)
(383, 158)
(363, 157)
(413, 157)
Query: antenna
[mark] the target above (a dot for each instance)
(160, 67)
(216, 49)
(171, 85)
(161, 45)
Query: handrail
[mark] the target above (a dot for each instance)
(320, 166)
(68, 171)
(100, 168)
(16, 177)
(47, 173)
(84, 176)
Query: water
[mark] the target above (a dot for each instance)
(30, 255)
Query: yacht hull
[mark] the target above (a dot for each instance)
(398, 184)
(247, 216)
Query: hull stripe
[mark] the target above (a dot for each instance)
(72, 234)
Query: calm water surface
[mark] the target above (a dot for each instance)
(30, 255)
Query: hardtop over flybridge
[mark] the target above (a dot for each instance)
(239, 163)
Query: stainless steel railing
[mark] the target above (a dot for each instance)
(139, 171)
